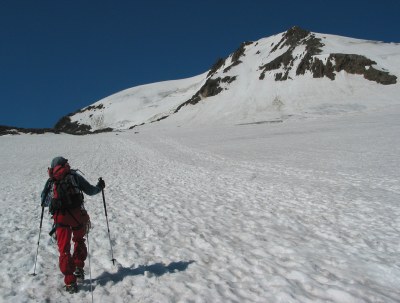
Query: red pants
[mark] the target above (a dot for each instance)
(71, 223)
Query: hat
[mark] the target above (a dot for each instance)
(58, 161)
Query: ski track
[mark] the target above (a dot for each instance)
(242, 214)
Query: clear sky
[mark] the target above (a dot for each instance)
(58, 56)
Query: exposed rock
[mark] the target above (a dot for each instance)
(352, 64)
(75, 128)
(304, 65)
(237, 54)
(161, 118)
(91, 108)
(136, 125)
(194, 100)
(313, 47)
(281, 76)
(228, 79)
(65, 125)
(284, 60)
(319, 69)
(210, 88)
(10, 130)
(232, 65)
(292, 38)
(240, 51)
(235, 59)
(294, 35)
(103, 130)
(379, 76)
(216, 66)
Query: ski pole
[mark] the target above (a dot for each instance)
(108, 227)
(90, 266)
(37, 249)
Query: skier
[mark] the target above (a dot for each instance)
(62, 193)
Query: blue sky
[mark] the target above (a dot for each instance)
(59, 56)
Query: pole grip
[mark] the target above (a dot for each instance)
(41, 218)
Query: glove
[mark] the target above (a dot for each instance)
(101, 184)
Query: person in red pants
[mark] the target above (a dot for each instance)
(62, 193)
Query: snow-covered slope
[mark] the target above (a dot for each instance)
(303, 211)
(293, 74)
(139, 105)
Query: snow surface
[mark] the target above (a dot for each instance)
(299, 211)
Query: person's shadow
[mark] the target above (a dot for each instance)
(157, 269)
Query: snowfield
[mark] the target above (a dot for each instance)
(307, 210)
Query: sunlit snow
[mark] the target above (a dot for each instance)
(217, 203)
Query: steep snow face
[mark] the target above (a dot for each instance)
(293, 74)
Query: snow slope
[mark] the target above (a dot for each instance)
(141, 104)
(245, 98)
(299, 211)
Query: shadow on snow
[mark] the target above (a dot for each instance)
(157, 269)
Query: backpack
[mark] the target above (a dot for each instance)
(65, 190)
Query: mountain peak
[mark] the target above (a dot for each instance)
(295, 35)
(293, 73)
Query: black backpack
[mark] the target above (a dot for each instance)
(66, 193)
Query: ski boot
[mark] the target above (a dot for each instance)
(71, 288)
(79, 273)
